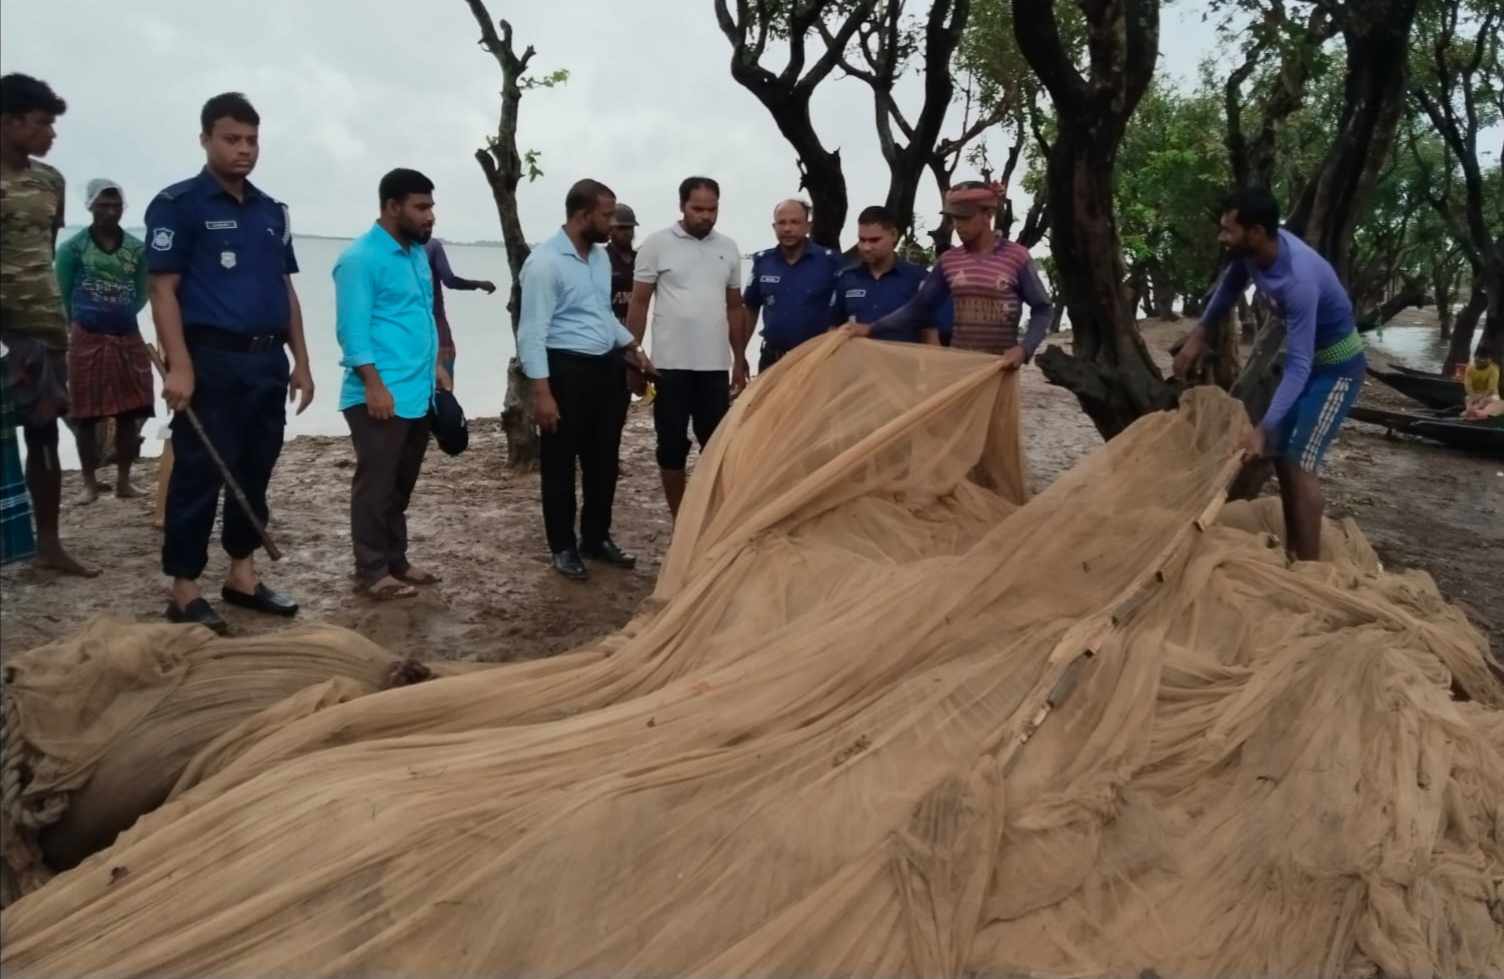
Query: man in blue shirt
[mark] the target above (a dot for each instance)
(882, 282)
(388, 335)
(221, 261)
(575, 351)
(791, 285)
(1324, 362)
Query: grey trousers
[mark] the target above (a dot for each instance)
(388, 459)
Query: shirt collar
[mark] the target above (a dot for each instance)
(211, 186)
(679, 232)
(561, 244)
(384, 238)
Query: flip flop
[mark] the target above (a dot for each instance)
(387, 593)
(421, 578)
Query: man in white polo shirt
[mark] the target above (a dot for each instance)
(692, 275)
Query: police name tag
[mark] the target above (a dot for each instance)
(774, 279)
(227, 259)
(856, 293)
(230, 225)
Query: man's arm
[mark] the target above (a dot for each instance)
(445, 273)
(1032, 291)
(741, 321)
(354, 301)
(142, 285)
(167, 315)
(918, 312)
(930, 336)
(637, 309)
(1300, 351)
(540, 301)
(300, 384)
(66, 269)
(1231, 286)
(1204, 335)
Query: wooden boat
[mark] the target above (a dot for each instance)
(1431, 390)
(1446, 427)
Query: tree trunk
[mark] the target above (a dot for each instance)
(1493, 321)
(1192, 305)
(1057, 318)
(1465, 327)
(502, 165)
(1412, 294)
(1443, 282)
(1248, 326)
(1110, 370)
(1377, 33)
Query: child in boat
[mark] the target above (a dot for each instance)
(1481, 388)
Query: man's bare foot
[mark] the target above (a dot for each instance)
(125, 491)
(387, 589)
(417, 576)
(54, 558)
(89, 495)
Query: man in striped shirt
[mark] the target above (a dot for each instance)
(989, 279)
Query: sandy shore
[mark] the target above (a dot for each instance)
(480, 526)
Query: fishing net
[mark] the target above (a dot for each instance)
(881, 717)
(98, 727)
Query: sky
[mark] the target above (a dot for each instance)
(348, 89)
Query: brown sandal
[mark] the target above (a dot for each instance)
(420, 578)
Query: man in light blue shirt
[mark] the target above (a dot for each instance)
(383, 294)
(575, 352)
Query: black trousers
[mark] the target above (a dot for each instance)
(591, 393)
(241, 399)
(388, 458)
(697, 399)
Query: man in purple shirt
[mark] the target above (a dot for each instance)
(1324, 362)
(443, 276)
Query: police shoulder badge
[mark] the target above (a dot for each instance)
(161, 239)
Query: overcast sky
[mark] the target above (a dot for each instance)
(348, 89)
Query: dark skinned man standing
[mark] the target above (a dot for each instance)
(220, 255)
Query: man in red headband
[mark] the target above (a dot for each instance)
(989, 278)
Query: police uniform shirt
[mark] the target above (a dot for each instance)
(232, 255)
(795, 299)
(862, 297)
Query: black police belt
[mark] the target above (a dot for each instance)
(213, 338)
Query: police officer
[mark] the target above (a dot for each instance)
(792, 285)
(221, 261)
(882, 282)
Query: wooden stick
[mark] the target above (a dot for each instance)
(272, 551)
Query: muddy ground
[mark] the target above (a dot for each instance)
(480, 526)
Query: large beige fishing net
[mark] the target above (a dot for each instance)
(880, 719)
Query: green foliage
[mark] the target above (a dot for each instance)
(552, 80)
(530, 164)
(1172, 171)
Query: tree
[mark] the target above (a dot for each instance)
(885, 44)
(786, 95)
(1459, 82)
(1110, 370)
(503, 166)
(1376, 34)
(1170, 178)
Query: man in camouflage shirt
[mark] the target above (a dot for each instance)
(33, 329)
